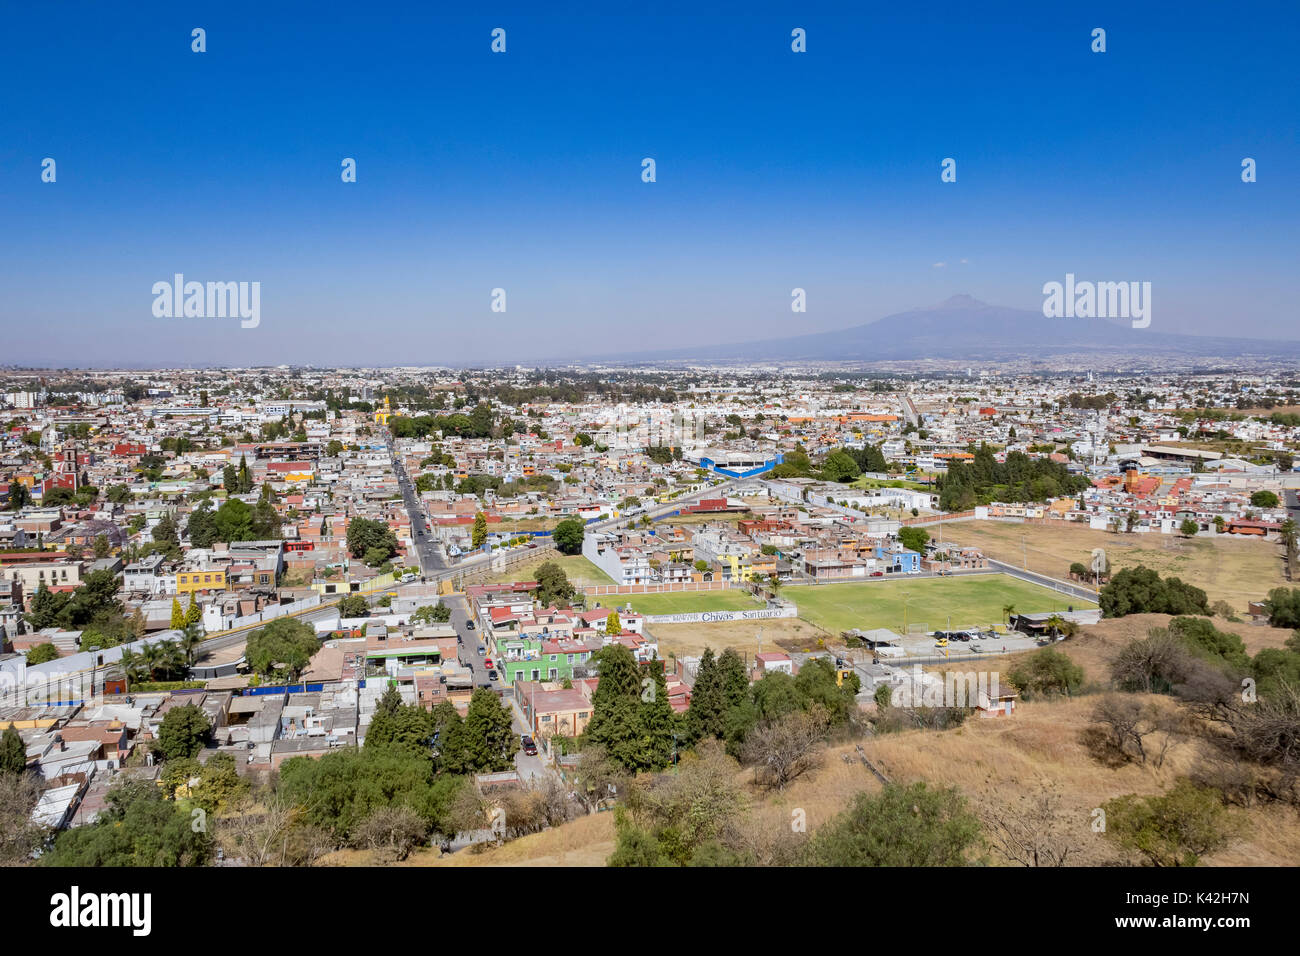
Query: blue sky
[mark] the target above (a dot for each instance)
(522, 171)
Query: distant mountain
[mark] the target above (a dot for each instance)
(964, 327)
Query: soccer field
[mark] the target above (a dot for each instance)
(938, 603)
(683, 602)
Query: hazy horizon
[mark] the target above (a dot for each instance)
(522, 171)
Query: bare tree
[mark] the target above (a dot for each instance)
(265, 830)
(20, 837)
(391, 833)
(1124, 723)
(785, 749)
(1268, 732)
(1032, 831)
(1154, 663)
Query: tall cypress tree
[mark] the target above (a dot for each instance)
(705, 716)
(13, 752)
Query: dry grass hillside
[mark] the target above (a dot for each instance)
(994, 762)
(1094, 646)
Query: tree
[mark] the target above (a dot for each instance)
(485, 742)
(631, 717)
(118, 494)
(283, 649)
(914, 539)
(785, 749)
(1264, 499)
(478, 537)
(613, 626)
(1141, 590)
(568, 535)
(1174, 829)
(365, 534)
(19, 496)
(707, 710)
(42, 654)
(354, 605)
(101, 547)
(431, 614)
(840, 466)
(20, 836)
(1188, 528)
(183, 732)
(391, 833)
(190, 640)
(166, 534)
(1282, 605)
(178, 615)
(13, 752)
(1154, 664)
(46, 607)
(1046, 673)
(901, 826)
(405, 726)
(553, 585)
(138, 827)
(1032, 831)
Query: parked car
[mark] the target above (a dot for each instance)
(877, 574)
(481, 650)
(487, 662)
(492, 675)
(530, 748)
(470, 624)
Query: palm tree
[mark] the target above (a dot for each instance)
(151, 657)
(1059, 626)
(190, 641)
(131, 665)
(1007, 611)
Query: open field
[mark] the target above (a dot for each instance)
(580, 571)
(1227, 569)
(976, 600)
(690, 640)
(685, 602)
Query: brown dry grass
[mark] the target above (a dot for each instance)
(1095, 645)
(991, 760)
(689, 640)
(587, 841)
(1227, 569)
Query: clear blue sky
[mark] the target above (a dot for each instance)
(522, 171)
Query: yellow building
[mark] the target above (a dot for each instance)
(382, 415)
(187, 582)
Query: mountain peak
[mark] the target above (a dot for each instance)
(961, 301)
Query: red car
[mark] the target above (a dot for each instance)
(487, 662)
(530, 748)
